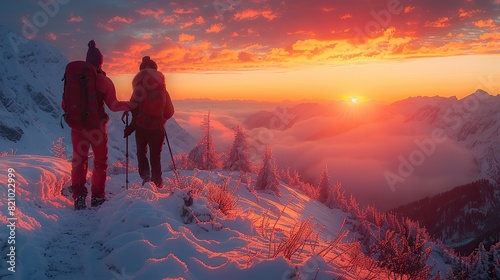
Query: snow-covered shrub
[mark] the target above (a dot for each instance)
(13, 152)
(221, 195)
(120, 167)
(182, 162)
(298, 236)
(184, 182)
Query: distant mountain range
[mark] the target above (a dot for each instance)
(474, 122)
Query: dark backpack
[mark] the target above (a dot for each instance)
(155, 109)
(82, 103)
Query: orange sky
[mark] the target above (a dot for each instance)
(274, 49)
(387, 81)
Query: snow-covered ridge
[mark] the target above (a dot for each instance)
(30, 88)
(139, 233)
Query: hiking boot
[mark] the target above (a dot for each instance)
(159, 185)
(80, 203)
(144, 181)
(97, 201)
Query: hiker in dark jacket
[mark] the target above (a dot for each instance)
(153, 109)
(97, 138)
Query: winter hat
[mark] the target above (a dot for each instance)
(94, 55)
(147, 62)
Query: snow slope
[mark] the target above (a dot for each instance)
(139, 233)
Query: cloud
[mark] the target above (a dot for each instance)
(327, 10)
(114, 23)
(247, 14)
(215, 28)
(360, 158)
(467, 14)
(184, 11)
(440, 23)
(246, 56)
(118, 19)
(409, 9)
(74, 18)
(356, 30)
(156, 13)
(250, 14)
(186, 37)
(485, 23)
(199, 20)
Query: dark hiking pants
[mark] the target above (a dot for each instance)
(149, 170)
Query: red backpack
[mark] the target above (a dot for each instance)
(82, 103)
(155, 109)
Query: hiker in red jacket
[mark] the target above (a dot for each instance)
(153, 109)
(95, 136)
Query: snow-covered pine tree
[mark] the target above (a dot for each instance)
(324, 186)
(480, 263)
(268, 178)
(58, 148)
(495, 261)
(239, 155)
(203, 155)
(292, 179)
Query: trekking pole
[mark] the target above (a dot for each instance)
(176, 172)
(125, 114)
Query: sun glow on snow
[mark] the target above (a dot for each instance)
(354, 100)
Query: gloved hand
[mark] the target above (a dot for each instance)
(128, 130)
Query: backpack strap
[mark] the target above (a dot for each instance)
(83, 94)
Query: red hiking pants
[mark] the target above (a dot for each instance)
(82, 140)
(153, 139)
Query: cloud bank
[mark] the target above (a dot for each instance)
(358, 157)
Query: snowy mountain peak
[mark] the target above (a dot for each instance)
(481, 93)
(478, 96)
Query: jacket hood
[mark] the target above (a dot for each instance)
(150, 79)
